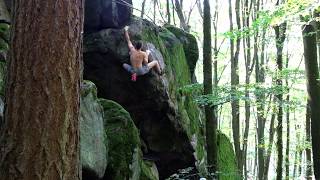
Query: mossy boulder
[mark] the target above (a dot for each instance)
(125, 156)
(227, 162)
(93, 142)
(154, 102)
(190, 46)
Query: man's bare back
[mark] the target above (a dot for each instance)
(137, 58)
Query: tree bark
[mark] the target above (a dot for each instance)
(308, 142)
(313, 88)
(40, 136)
(287, 164)
(143, 5)
(168, 12)
(183, 23)
(269, 150)
(280, 31)
(234, 55)
(211, 122)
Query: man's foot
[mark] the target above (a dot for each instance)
(134, 77)
(126, 28)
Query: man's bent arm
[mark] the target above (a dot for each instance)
(130, 46)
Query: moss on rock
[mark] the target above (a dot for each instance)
(190, 46)
(227, 163)
(178, 72)
(125, 156)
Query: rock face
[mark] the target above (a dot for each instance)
(101, 14)
(190, 46)
(125, 156)
(227, 162)
(93, 142)
(169, 122)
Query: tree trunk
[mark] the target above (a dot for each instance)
(211, 123)
(154, 10)
(143, 8)
(183, 23)
(313, 88)
(308, 142)
(280, 31)
(248, 68)
(168, 12)
(40, 136)
(287, 164)
(269, 150)
(173, 14)
(235, 82)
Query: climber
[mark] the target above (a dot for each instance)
(139, 59)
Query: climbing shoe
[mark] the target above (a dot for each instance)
(134, 77)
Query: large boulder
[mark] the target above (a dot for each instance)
(93, 142)
(101, 14)
(125, 156)
(170, 123)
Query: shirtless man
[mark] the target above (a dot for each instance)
(139, 59)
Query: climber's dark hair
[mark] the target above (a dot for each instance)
(138, 45)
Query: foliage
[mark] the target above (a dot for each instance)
(289, 11)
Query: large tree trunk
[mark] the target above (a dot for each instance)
(40, 137)
(211, 122)
(280, 31)
(313, 88)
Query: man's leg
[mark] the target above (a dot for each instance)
(155, 64)
(128, 68)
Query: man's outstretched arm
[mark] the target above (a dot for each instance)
(126, 34)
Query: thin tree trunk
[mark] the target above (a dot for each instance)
(280, 37)
(154, 11)
(297, 152)
(269, 150)
(143, 8)
(287, 164)
(168, 12)
(248, 67)
(308, 142)
(173, 14)
(235, 82)
(313, 88)
(300, 163)
(211, 123)
(40, 136)
(183, 23)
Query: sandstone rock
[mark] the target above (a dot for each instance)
(101, 14)
(169, 121)
(93, 142)
(125, 156)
